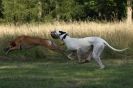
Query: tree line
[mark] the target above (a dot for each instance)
(66, 10)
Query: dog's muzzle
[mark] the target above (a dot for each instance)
(53, 35)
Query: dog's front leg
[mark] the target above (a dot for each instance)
(89, 56)
(69, 56)
(12, 49)
(79, 55)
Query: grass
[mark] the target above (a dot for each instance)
(66, 74)
(42, 68)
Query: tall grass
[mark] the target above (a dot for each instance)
(118, 34)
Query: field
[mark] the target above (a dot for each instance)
(66, 74)
(41, 68)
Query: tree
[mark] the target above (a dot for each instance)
(66, 10)
(20, 10)
(1, 15)
(129, 11)
(39, 10)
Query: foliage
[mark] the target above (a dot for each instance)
(20, 10)
(67, 10)
(1, 15)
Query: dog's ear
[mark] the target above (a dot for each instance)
(62, 32)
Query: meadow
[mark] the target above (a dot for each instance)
(41, 68)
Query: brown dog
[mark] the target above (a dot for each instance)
(28, 42)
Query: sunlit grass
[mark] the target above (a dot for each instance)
(118, 33)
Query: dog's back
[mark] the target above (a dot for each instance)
(28, 40)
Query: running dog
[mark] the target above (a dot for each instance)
(27, 42)
(82, 45)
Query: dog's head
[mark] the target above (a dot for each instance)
(10, 45)
(57, 34)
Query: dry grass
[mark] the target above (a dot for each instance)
(117, 33)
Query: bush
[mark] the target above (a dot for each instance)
(20, 10)
(66, 10)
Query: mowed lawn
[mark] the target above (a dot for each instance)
(57, 72)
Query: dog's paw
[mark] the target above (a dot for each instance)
(102, 67)
(85, 61)
(70, 58)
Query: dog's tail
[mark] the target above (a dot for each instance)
(118, 50)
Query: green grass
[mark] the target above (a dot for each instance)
(57, 72)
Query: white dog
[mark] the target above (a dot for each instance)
(83, 45)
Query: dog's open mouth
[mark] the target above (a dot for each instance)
(53, 35)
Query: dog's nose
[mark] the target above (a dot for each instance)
(51, 32)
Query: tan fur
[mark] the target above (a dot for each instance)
(32, 41)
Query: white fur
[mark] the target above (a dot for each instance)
(83, 44)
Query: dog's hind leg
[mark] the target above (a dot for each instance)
(98, 49)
